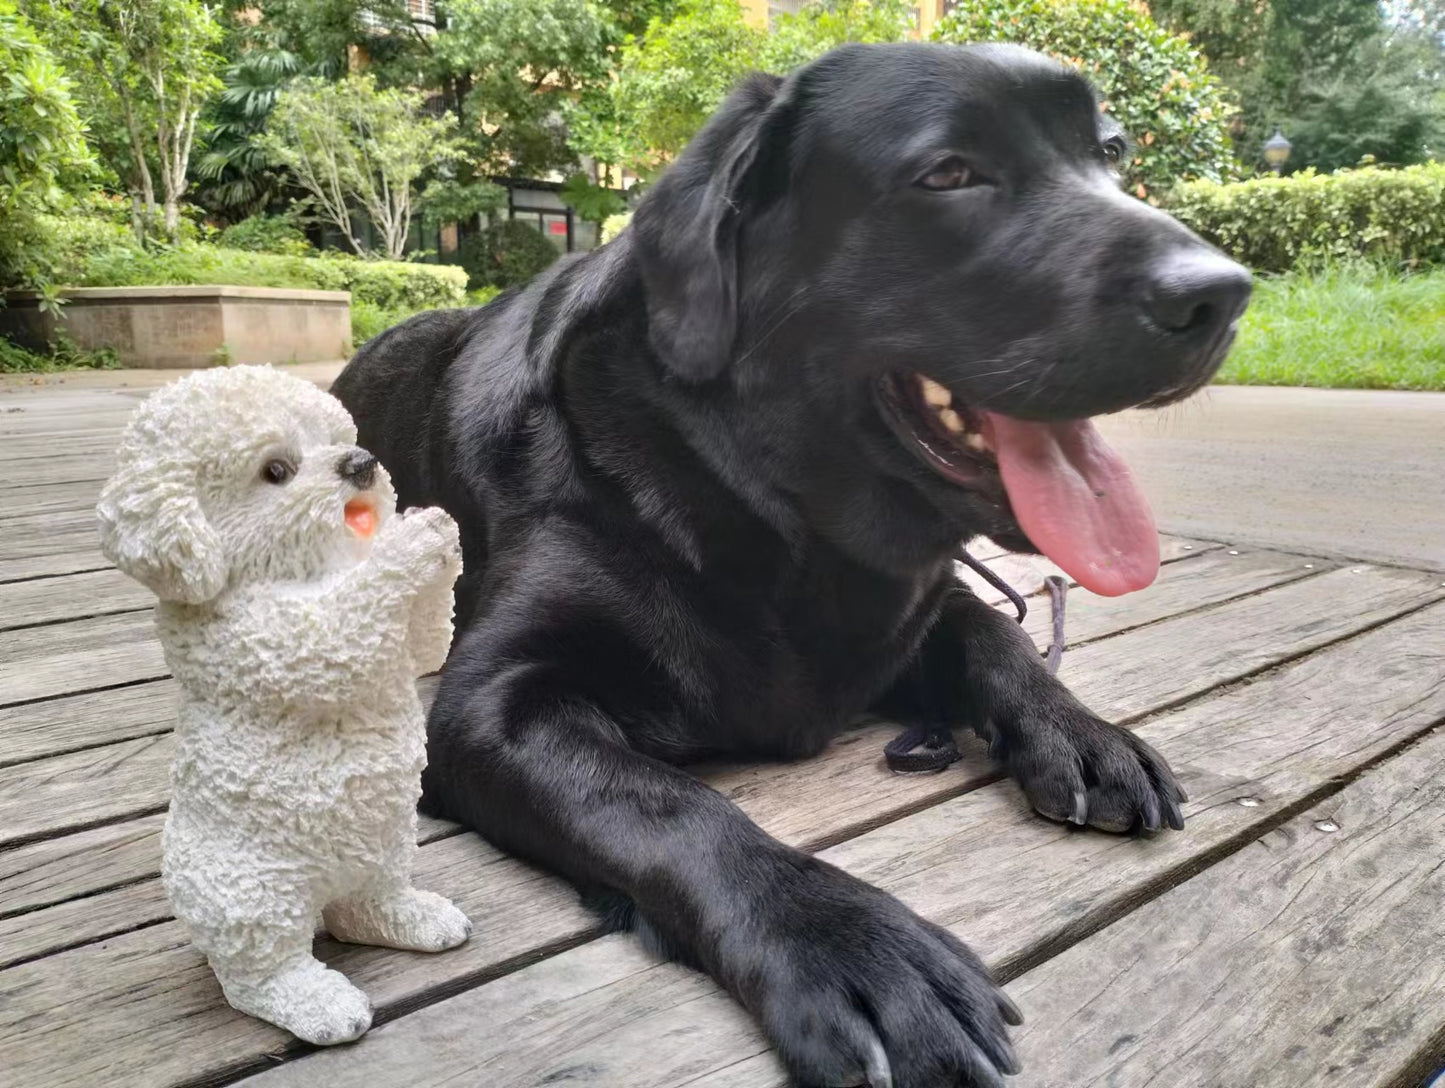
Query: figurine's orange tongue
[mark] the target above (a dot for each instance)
(361, 518)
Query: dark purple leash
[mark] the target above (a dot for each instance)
(931, 747)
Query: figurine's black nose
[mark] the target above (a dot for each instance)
(357, 468)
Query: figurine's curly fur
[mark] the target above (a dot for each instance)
(296, 643)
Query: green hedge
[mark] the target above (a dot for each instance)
(1390, 217)
(388, 284)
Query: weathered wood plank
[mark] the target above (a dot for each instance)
(1026, 573)
(103, 651)
(80, 864)
(841, 793)
(35, 545)
(15, 451)
(58, 726)
(1215, 575)
(30, 933)
(1185, 656)
(70, 597)
(1014, 886)
(1315, 955)
(140, 1008)
(32, 499)
(41, 471)
(121, 910)
(84, 788)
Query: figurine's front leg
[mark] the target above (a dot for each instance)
(386, 910)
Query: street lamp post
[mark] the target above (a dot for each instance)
(1276, 151)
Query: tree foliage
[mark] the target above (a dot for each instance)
(238, 176)
(1346, 80)
(42, 146)
(148, 67)
(349, 144)
(514, 66)
(1154, 82)
(42, 139)
(671, 78)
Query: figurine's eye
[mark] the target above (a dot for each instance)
(277, 471)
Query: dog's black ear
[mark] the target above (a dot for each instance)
(685, 231)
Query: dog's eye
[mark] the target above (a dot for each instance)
(1113, 151)
(952, 173)
(277, 471)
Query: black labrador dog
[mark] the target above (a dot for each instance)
(711, 479)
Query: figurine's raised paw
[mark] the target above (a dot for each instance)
(410, 918)
(311, 1001)
(435, 535)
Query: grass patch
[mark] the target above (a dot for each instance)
(1347, 327)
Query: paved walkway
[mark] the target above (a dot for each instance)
(1338, 472)
(1344, 473)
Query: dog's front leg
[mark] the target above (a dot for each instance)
(845, 980)
(980, 668)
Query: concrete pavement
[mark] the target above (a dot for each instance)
(1346, 473)
(1343, 473)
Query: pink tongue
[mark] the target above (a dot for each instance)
(1075, 499)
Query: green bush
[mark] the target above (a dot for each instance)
(368, 320)
(266, 234)
(388, 284)
(1154, 82)
(1391, 217)
(507, 253)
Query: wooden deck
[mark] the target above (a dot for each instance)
(1293, 935)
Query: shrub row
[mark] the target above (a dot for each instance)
(88, 251)
(1388, 217)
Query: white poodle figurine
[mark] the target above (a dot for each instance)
(296, 611)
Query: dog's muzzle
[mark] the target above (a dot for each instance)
(357, 468)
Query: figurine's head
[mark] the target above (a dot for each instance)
(235, 475)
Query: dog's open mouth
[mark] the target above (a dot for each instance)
(361, 517)
(1071, 494)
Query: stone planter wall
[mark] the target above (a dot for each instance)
(175, 327)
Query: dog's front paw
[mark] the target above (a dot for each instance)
(1082, 770)
(852, 987)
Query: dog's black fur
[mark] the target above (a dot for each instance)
(689, 531)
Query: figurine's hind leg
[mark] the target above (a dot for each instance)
(297, 992)
(257, 934)
(387, 910)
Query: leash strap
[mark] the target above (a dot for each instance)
(923, 749)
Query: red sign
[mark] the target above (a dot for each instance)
(556, 227)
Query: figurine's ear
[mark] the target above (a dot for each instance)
(152, 528)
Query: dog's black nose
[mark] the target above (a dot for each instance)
(357, 468)
(1196, 293)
